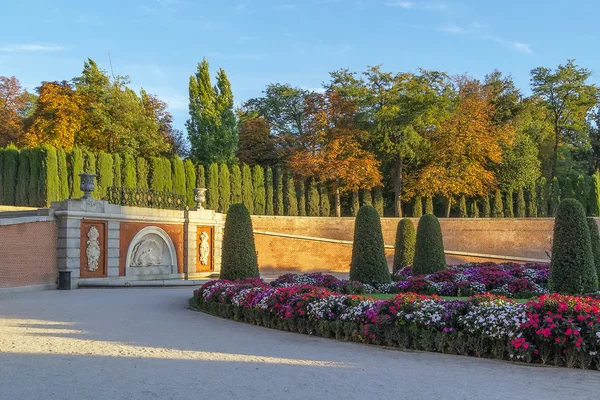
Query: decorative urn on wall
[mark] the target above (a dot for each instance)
(199, 197)
(87, 185)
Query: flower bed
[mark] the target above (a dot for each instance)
(553, 329)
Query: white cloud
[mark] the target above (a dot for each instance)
(31, 48)
(522, 47)
(400, 4)
(478, 31)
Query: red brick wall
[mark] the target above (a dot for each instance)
(28, 254)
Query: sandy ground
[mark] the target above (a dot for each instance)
(145, 344)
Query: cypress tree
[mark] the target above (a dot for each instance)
(474, 209)
(49, 175)
(224, 188)
(417, 207)
(543, 196)
(212, 201)
(258, 182)
(290, 201)
(497, 210)
(325, 204)
(190, 183)
(236, 184)
(572, 268)
(35, 170)
(487, 209)
(582, 191)
(566, 188)
(521, 207)
(142, 173)
(22, 189)
(369, 264)
(117, 171)
(105, 173)
(314, 206)
(129, 176)
(532, 200)
(508, 204)
(63, 174)
(279, 205)
(429, 248)
(239, 251)
(555, 197)
(355, 206)
(11, 167)
(462, 207)
(428, 205)
(595, 242)
(247, 189)
(378, 200)
(157, 176)
(200, 177)
(178, 175)
(166, 164)
(367, 198)
(1, 176)
(404, 250)
(594, 203)
(301, 198)
(270, 204)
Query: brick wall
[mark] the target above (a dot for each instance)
(28, 254)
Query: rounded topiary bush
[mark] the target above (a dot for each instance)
(239, 252)
(429, 248)
(595, 240)
(369, 264)
(404, 251)
(572, 269)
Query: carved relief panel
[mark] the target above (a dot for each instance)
(93, 245)
(204, 249)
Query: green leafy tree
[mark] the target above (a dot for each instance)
(117, 171)
(301, 198)
(258, 182)
(498, 209)
(224, 188)
(404, 250)
(178, 175)
(314, 206)
(572, 268)
(378, 200)
(279, 204)
(212, 202)
(543, 195)
(520, 165)
(236, 184)
(367, 198)
(290, 200)
(76, 168)
(129, 172)
(22, 189)
(369, 264)
(239, 251)
(521, 207)
(508, 205)
(555, 197)
(247, 189)
(429, 249)
(462, 207)
(417, 207)
(142, 173)
(595, 241)
(11, 167)
(324, 200)
(211, 127)
(63, 174)
(190, 182)
(595, 197)
(532, 200)
(355, 205)
(105, 173)
(270, 206)
(486, 206)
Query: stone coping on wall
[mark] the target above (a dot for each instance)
(24, 220)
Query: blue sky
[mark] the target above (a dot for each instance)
(159, 42)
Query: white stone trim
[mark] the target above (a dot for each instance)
(24, 220)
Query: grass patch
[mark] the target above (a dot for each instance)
(386, 296)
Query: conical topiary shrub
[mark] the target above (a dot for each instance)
(429, 248)
(369, 264)
(404, 251)
(239, 252)
(595, 240)
(572, 269)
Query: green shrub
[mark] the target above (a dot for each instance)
(22, 189)
(378, 200)
(290, 199)
(239, 252)
(417, 207)
(11, 167)
(595, 242)
(325, 205)
(474, 209)
(49, 176)
(355, 205)
(508, 204)
(462, 207)
(486, 207)
(301, 198)
(521, 207)
(428, 205)
(594, 202)
(497, 210)
(200, 177)
(142, 173)
(270, 204)
(555, 197)
(63, 175)
(178, 175)
(279, 204)
(429, 248)
(35, 170)
(532, 200)
(369, 264)
(367, 198)
(314, 204)
(236, 184)
(543, 195)
(404, 250)
(105, 173)
(117, 170)
(129, 175)
(247, 188)
(572, 268)
(212, 194)
(258, 182)
(190, 183)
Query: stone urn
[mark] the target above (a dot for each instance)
(199, 197)
(87, 185)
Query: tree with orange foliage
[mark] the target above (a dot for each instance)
(256, 144)
(464, 149)
(14, 105)
(58, 117)
(331, 149)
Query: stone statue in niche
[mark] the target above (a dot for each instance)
(147, 253)
(92, 250)
(204, 248)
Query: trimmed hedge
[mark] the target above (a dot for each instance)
(129, 172)
(190, 183)
(269, 193)
(428, 205)
(367, 197)
(236, 184)
(105, 173)
(10, 171)
(429, 247)
(301, 198)
(474, 209)
(543, 192)
(178, 175)
(532, 210)
(508, 205)
(369, 264)
(49, 176)
(521, 207)
(239, 252)
(212, 194)
(258, 183)
(224, 188)
(572, 268)
(325, 205)
(404, 249)
(117, 170)
(142, 173)
(555, 197)
(279, 204)
(314, 206)
(247, 189)
(417, 207)
(378, 200)
(200, 177)
(497, 210)
(290, 200)
(22, 189)
(462, 207)
(35, 171)
(63, 175)
(595, 242)
(355, 205)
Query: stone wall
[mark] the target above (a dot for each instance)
(465, 240)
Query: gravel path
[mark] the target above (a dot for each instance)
(145, 344)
